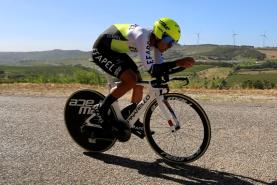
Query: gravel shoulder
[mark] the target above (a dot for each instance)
(64, 90)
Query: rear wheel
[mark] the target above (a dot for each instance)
(185, 144)
(77, 110)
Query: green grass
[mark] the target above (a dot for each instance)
(50, 74)
(205, 76)
(260, 81)
(201, 76)
(239, 78)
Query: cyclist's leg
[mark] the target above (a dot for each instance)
(115, 64)
(137, 91)
(128, 81)
(118, 65)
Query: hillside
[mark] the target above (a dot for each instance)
(52, 55)
(218, 52)
(206, 52)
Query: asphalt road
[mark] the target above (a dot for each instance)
(35, 148)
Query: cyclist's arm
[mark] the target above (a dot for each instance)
(185, 62)
(159, 69)
(140, 37)
(144, 51)
(159, 59)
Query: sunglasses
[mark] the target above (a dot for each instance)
(168, 40)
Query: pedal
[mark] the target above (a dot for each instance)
(138, 133)
(121, 135)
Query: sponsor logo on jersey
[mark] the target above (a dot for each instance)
(148, 57)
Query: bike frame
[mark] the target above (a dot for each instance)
(149, 97)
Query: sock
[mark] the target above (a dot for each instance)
(107, 102)
(128, 109)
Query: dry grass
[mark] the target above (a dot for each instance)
(45, 89)
(270, 53)
(216, 72)
(64, 90)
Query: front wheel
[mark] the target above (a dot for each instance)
(187, 143)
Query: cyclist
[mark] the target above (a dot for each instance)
(110, 53)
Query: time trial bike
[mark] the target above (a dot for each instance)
(175, 125)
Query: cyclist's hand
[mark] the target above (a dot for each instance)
(185, 62)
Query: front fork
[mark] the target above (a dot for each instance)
(169, 113)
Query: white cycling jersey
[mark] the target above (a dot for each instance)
(139, 41)
(123, 38)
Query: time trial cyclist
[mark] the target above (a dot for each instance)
(110, 54)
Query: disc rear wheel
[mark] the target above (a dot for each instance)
(77, 110)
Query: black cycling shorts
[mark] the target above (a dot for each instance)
(113, 63)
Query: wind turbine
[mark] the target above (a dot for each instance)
(198, 37)
(234, 38)
(264, 36)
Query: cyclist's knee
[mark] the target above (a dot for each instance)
(138, 88)
(129, 78)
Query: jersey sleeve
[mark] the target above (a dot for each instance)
(158, 56)
(141, 40)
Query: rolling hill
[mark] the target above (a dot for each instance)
(52, 55)
(207, 52)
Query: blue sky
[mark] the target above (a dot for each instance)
(35, 25)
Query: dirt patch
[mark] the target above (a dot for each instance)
(64, 90)
(45, 89)
(233, 95)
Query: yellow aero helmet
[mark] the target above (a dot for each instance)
(167, 26)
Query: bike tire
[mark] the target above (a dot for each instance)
(192, 118)
(77, 110)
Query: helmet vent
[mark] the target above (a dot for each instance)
(164, 25)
